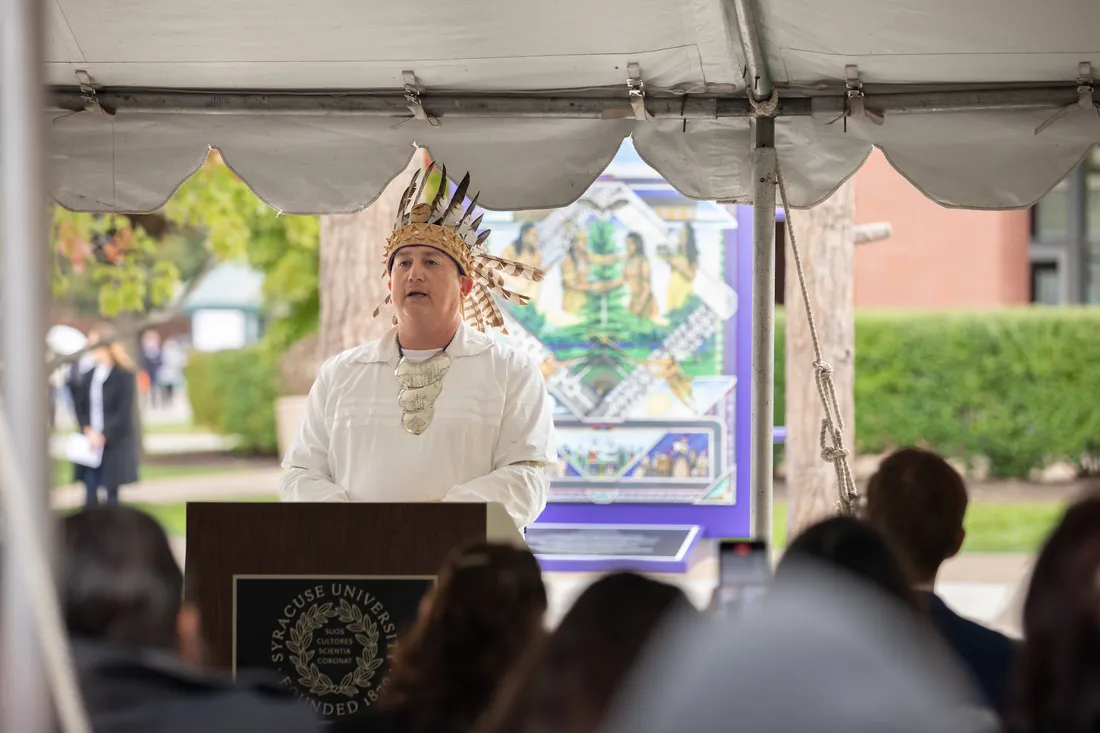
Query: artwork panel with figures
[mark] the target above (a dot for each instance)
(644, 461)
(628, 326)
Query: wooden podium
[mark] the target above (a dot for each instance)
(319, 593)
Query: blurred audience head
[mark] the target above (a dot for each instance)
(821, 651)
(484, 612)
(857, 548)
(568, 682)
(120, 583)
(1058, 675)
(919, 501)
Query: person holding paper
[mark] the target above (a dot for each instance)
(103, 399)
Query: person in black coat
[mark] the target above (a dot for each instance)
(103, 399)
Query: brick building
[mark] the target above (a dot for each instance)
(955, 258)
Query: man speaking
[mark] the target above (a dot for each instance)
(436, 410)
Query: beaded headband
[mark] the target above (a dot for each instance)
(444, 225)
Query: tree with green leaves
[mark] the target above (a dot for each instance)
(122, 259)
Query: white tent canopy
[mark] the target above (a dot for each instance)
(532, 98)
(309, 102)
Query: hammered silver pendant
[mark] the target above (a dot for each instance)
(416, 423)
(421, 384)
(417, 375)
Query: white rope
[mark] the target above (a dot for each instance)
(832, 425)
(765, 107)
(23, 531)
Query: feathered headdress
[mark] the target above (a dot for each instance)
(444, 225)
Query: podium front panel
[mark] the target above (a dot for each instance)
(371, 562)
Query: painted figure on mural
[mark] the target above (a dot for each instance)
(679, 383)
(638, 278)
(681, 465)
(684, 263)
(575, 272)
(526, 250)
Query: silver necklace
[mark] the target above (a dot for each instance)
(421, 384)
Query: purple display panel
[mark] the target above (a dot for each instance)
(715, 521)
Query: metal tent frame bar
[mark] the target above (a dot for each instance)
(888, 99)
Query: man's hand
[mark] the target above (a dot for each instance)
(96, 439)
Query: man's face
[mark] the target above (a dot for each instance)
(426, 284)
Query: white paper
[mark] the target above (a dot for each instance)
(80, 451)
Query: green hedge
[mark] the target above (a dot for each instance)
(1018, 387)
(234, 393)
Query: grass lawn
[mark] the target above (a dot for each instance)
(63, 472)
(990, 527)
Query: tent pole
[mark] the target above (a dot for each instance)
(763, 325)
(24, 699)
(759, 79)
(760, 86)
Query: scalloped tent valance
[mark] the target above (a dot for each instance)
(532, 98)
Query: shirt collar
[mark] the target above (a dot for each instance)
(468, 341)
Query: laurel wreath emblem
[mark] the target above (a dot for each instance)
(301, 639)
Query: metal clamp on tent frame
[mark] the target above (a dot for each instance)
(88, 94)
(855, 100)
(635, 86)
(1085, 98)
(412, 99)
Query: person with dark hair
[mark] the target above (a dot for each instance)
(137, 645)
(1057, 683)
(569, 682)
(920, 502)
(856, 548)
(485, 610)
(121, 584)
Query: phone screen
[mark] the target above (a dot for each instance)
(744, 572)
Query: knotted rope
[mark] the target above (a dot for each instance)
(832, 425)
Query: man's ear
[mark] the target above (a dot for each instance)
(466, 284)
(389, 285)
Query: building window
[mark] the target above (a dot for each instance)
(1045, 288)
(1092, 222)
(1050, 216)
(1056, 234)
